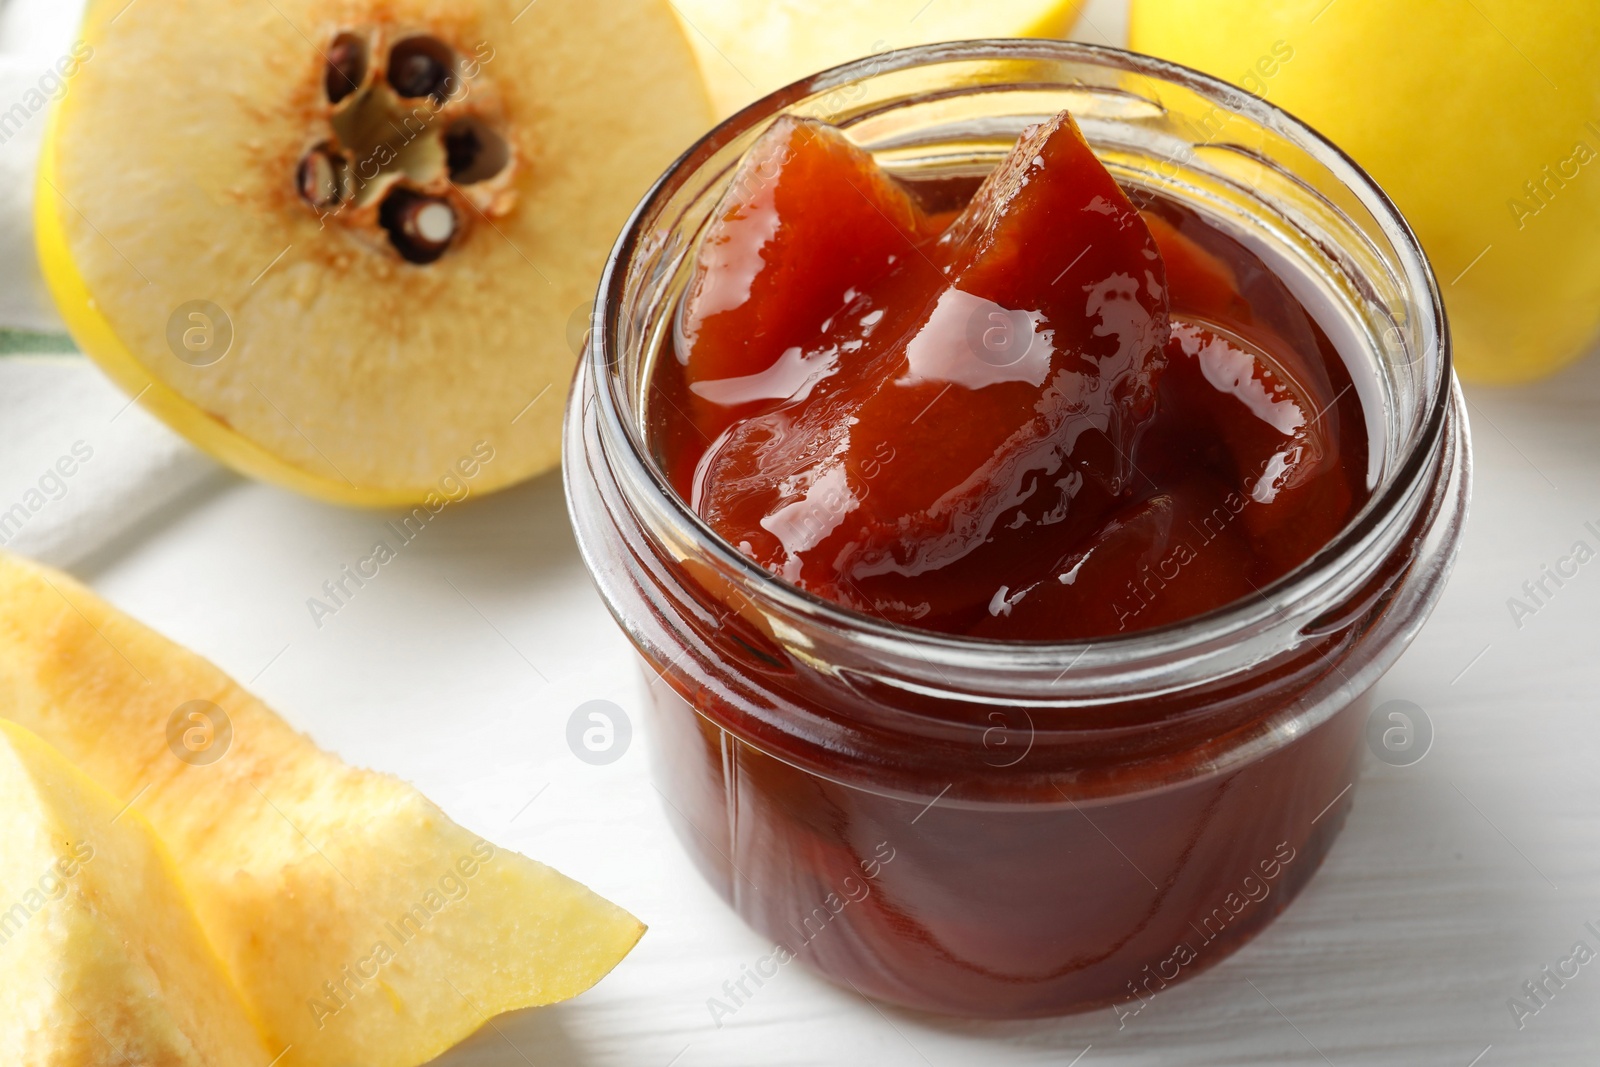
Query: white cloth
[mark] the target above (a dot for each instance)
(24, 302)
(80, 465)
(39, 28)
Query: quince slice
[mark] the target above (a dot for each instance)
(347, 247)
(358, 921)
(102, 958)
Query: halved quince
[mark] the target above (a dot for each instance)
(101, 959)
(338, 244)
(358, 921)
(747, 50)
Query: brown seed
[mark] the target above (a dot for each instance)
(347, 66)
(422, 66)
(320, 178)
(420, 227)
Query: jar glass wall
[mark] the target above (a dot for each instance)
(1026, 828)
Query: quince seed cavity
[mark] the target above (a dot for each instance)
(321, 178)
(422, 66)
(420, 227)
(347, 66)
(474, 151)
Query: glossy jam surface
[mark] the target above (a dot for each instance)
(1032, 408)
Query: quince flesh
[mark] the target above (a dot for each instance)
(103, 961)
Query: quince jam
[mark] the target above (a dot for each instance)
(1032, 406)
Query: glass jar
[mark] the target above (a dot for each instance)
(1015, 829)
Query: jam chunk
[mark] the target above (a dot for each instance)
(974, 394)
(1271, 439)
(808, 224)
(1173, 555)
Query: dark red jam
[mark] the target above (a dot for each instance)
(1023, 405)
(1031, 407)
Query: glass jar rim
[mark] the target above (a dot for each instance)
(1150, 650)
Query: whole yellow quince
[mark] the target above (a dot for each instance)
(1480, 118)
(748, 49)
